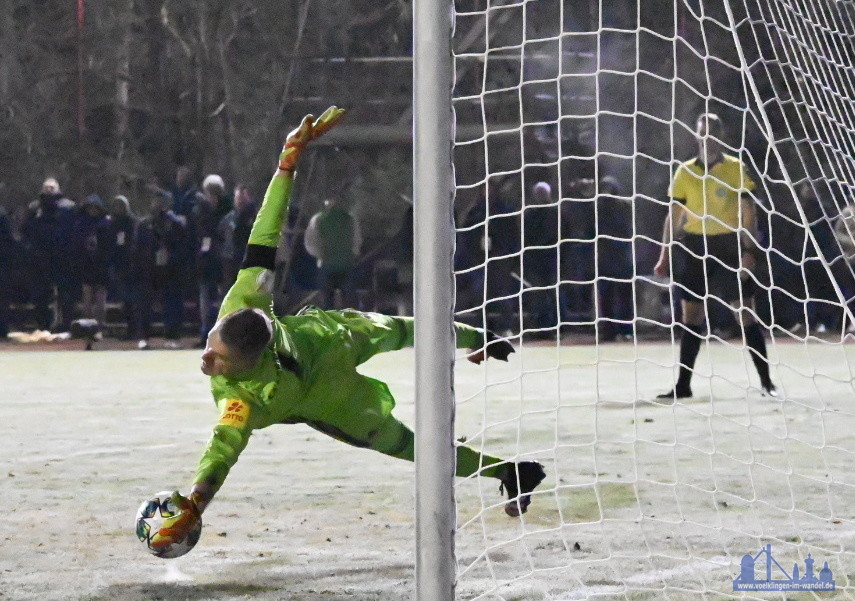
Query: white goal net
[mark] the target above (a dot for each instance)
(572, 119)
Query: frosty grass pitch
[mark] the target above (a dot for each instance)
(657, 497)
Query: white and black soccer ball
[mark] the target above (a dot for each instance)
(150, 519)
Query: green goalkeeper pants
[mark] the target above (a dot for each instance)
(363, 418)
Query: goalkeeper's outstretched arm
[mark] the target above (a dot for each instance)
(252, 287)
(222, 452)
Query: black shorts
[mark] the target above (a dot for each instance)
(710, 267)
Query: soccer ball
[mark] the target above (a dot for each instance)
(150, 519)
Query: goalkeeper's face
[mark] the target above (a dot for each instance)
(218, 359)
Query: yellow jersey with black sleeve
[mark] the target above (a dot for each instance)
(712, 196)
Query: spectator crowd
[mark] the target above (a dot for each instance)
(535, 259)
(66, 259)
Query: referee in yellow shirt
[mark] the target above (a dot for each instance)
(711, 228)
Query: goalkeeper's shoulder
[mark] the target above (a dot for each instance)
(253, 288)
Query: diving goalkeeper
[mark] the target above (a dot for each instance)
(267, 369)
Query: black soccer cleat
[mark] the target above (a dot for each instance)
(768, 389)
(677, 392)
(497, 348)
(530, 475)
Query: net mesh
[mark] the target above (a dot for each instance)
(572, 118)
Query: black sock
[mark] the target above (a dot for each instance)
(690, 345)
(756, 343)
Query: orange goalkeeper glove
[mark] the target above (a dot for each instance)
(177, 528)
(309, 129)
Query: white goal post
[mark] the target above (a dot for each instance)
(433, 300)
(548, 135)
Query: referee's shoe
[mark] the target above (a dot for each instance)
(679, 392)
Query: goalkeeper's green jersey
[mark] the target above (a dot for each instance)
(308, 372)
